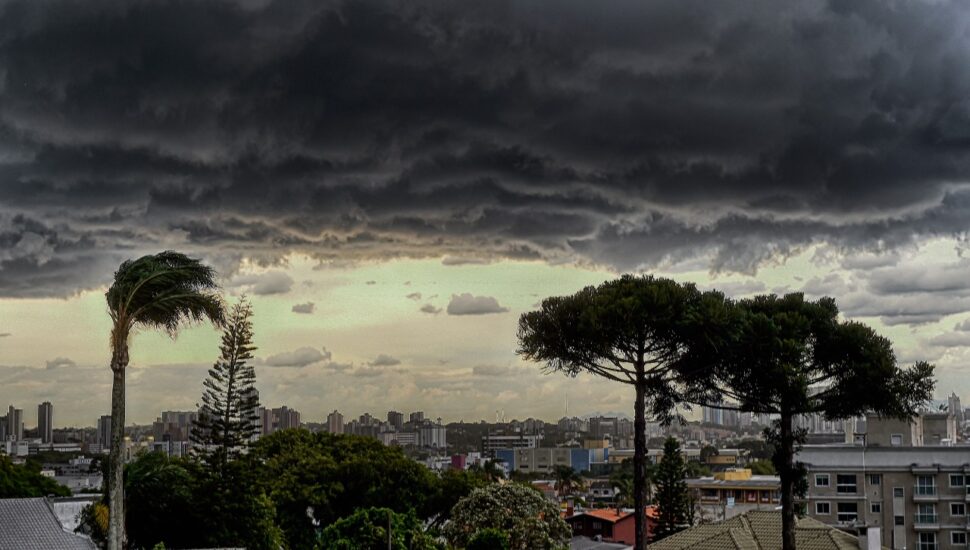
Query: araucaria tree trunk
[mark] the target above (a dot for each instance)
(640, 464)
(116, 460)
(787, 472)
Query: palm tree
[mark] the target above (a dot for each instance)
(568, 480)
(157, 291)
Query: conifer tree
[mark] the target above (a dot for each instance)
(227, 415)
(672, 499)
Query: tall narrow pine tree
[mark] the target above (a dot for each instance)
(227, 415)
(672, 498)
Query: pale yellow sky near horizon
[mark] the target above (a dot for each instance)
(451, 366)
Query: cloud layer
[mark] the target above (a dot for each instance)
(631, 135)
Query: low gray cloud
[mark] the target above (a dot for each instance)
(369, 372)
(430, 308)
(4, 334)
(307, 307)
(339, 367)
(60, 362)
(416, 296)
(384, 360)
(300, 357)
(264, 284)
(491, 370)
(467, 304)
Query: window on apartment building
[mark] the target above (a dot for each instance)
(926, 513)
(821, 480)
(845, 483)
(896, 440)
(898, 492)
(957, 480)
(925, 485)
(958, 509)
(926, 541)
(823, 508)
(875, 479)
(848, 512)
(899, 520)
(958, 538)
(875, 507)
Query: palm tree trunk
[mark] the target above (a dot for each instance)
(116, 479)
(640, 466)
(787, 474)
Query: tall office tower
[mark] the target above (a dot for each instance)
(15, 423)
(395, 419)
(45, 422)
(954, 406)
(287, 417)
(417, 417)
(104, 432)
(335, 423)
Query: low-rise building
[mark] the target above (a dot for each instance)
(733, 492)
(545, 459)
(610, 524)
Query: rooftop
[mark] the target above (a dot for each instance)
(757, 530)
(30, 524)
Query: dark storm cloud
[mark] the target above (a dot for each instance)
(631, 134)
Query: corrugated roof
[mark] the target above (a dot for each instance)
(757, 530)
(30, 524)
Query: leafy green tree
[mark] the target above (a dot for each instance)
(530, 521)
(762, 468)
(672, 497)
(568, 480)
(158, 291)
(227, 416)
(789, 356)
(452, 486)
(332, 475)
(160, 490)
(489, 539)
(367, 529)
(25, 481)
(648, 332)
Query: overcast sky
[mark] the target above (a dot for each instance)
(394, 183)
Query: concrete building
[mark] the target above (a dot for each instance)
(492, 443)
(174, 425)
(416, 417)
(732, 492)
(335, 422)
(545, 459)
(433, 435)
(45, 422)
(15, 424)
(916, 496)
(104, 433)
(396, 420)
(954, 407)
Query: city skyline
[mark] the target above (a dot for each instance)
(393, 184)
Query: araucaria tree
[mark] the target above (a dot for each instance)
(791, 356)
(227, 415)
(673, 502)
(159, 291)
(638, 330)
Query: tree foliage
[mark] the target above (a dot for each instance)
(227, 415)
(652, 333)
(762, 468)
(672, 498)
(367, 529)
(489, 539)
(530, 521)
(26, 481)
(334, 475)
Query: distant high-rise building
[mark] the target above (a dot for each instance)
(416, 417)
(287, 417)
(15, 424)
(45, 422)
(104, 432)
(954, 406)
(395, 419)
(335, 423)
(174, 425)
